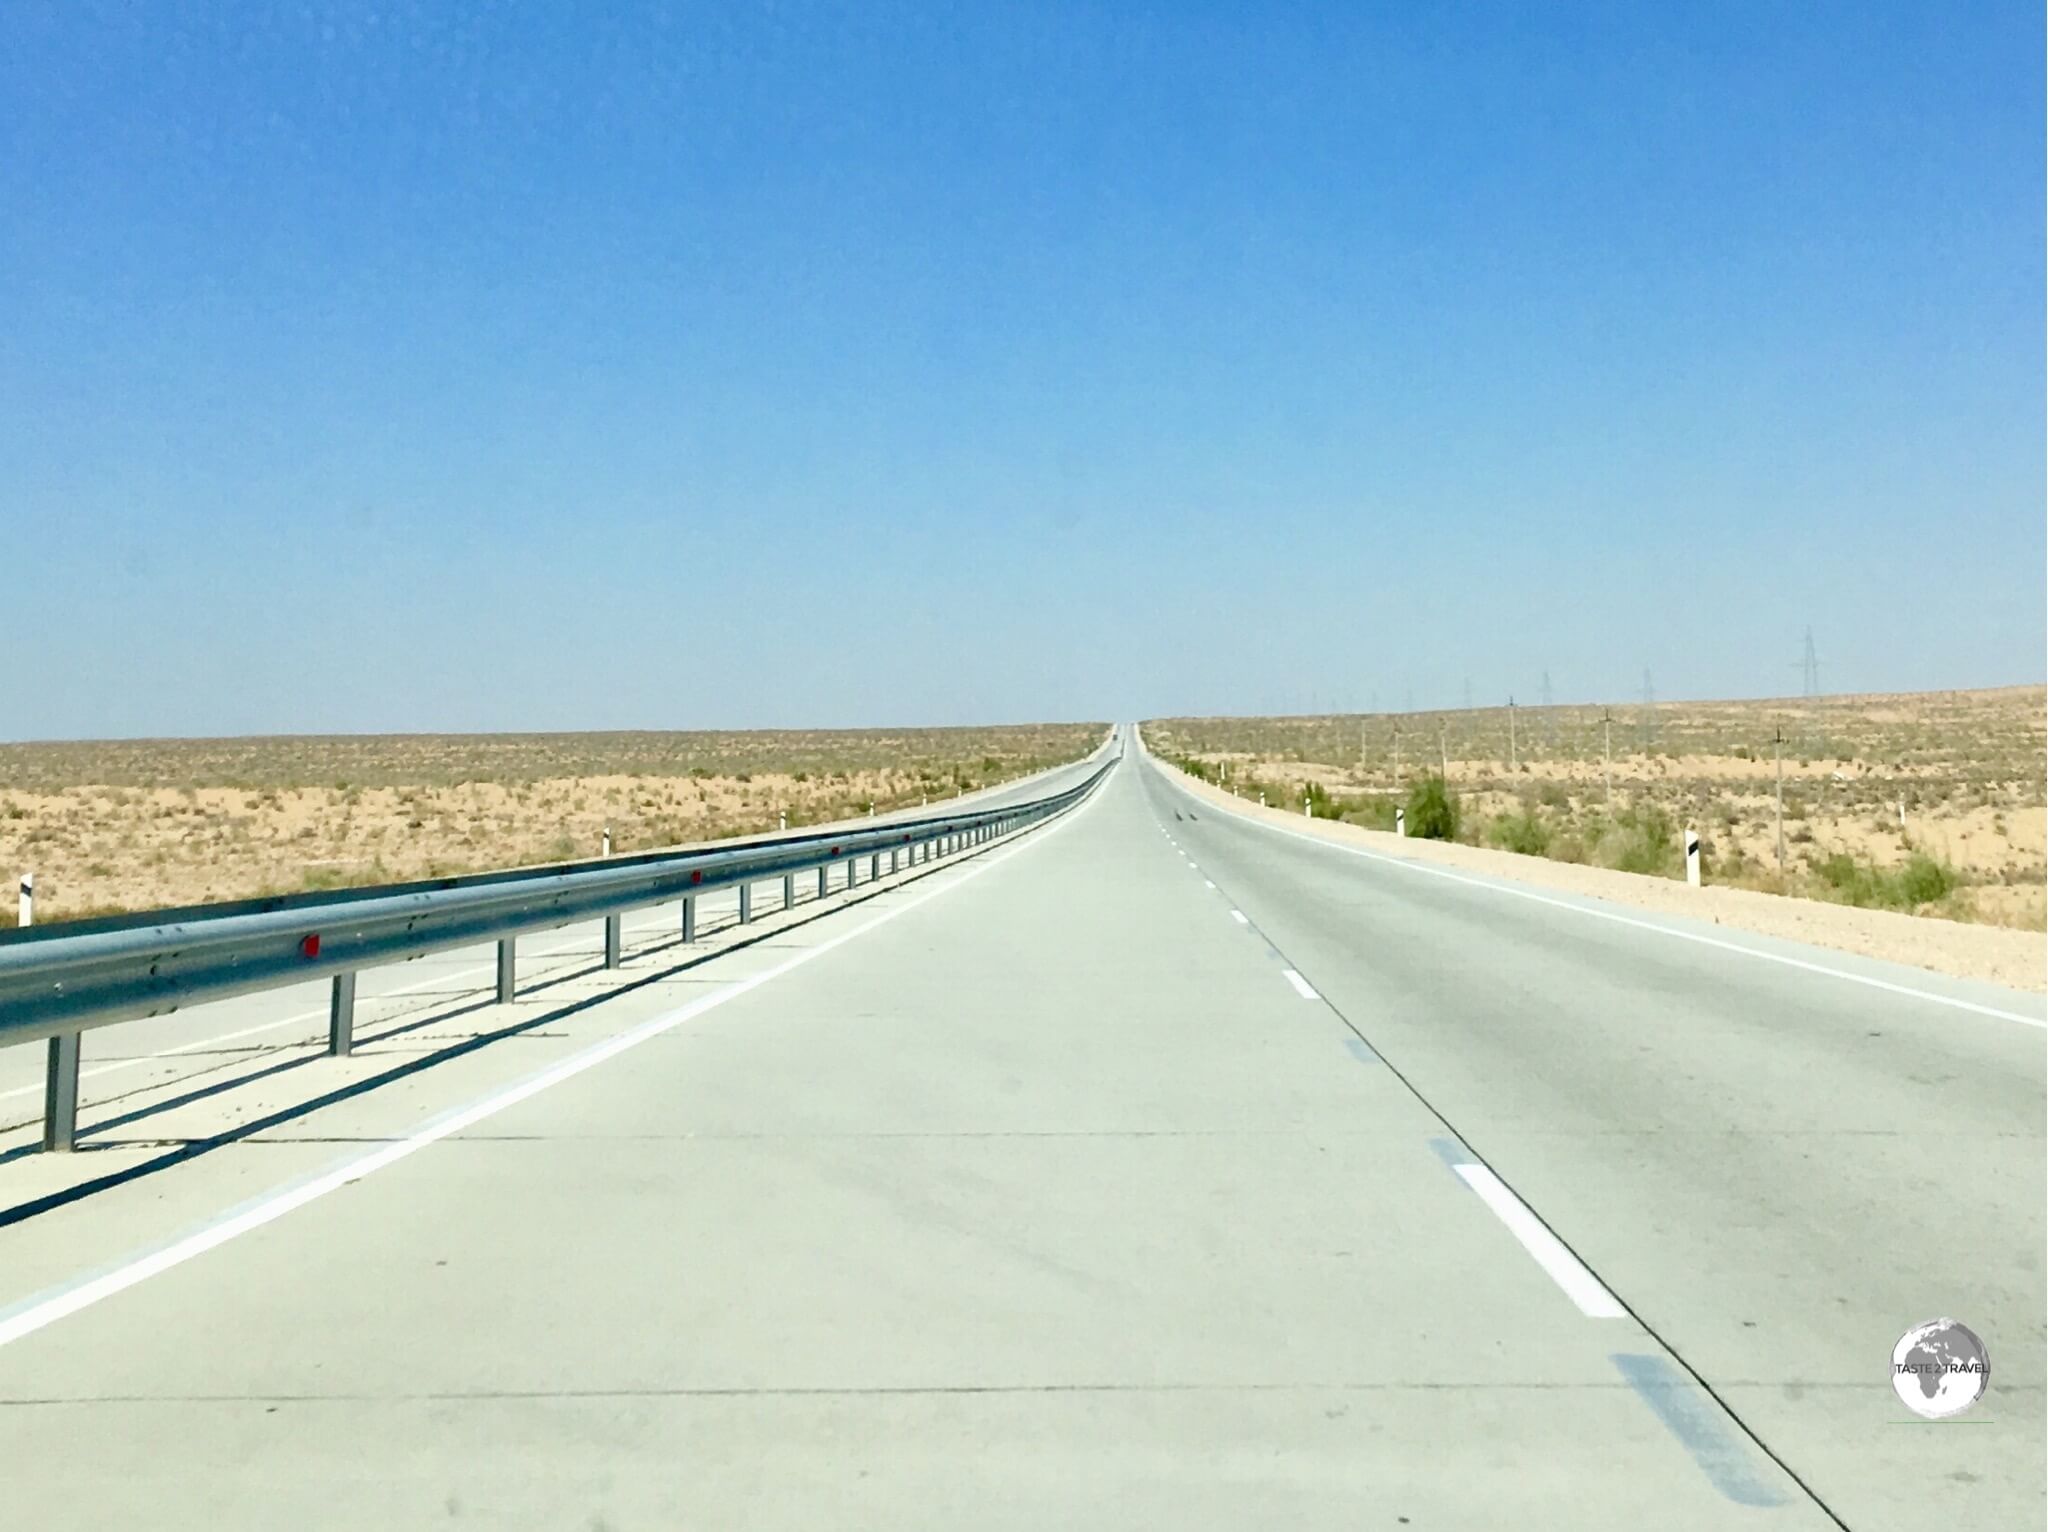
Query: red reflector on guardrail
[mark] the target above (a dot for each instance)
(697, 877)
(835, 851)
(309, 946)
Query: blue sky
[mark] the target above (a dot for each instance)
(460, 366)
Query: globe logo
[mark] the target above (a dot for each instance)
(1940, 1369)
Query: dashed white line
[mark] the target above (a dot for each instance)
(1563, 1268)
(1207, 884)
(1239, 917)
(1301, 985)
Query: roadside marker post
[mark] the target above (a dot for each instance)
(1400, 820)
(1692, 857)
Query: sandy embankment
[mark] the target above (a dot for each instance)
(1993, 954)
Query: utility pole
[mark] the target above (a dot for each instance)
(1607, 757)
(1443, 747)
(1778, 761)
(1513, 761)
(1397, 758)
(1649, 700)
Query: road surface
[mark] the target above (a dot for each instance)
(1152, 1168)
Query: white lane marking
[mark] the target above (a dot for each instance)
(49, 1307)
(1650, 925)
(1207, 884)
(1301, 985)
(1238, 916)
(1563, 1268)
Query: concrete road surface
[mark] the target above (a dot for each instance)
(1151, 1169)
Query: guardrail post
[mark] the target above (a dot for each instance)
(612, 925)
(788, 890)
(341, 1016)
(508, 968)
(60, 1094)
(60, 1076)
(823, 887)
(894, 863)
(875, 866)
(746, 902)
(852, 870)
(689, 917)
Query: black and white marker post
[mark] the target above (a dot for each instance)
(1692, 857)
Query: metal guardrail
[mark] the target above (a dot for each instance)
(59, 981)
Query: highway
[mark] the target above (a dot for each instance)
(1151, 1168)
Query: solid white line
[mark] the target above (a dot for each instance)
(47, 1309)
(1238, 916)
(1564, 1268)
(1648, 925)
(1301, 985)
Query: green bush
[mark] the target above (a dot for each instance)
(1525, 832)
(1432, 810)
(1375, 813)
(1923, 880)
(1640, 839)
